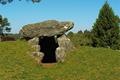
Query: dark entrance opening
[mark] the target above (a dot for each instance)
(48, 46)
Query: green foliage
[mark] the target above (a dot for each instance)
(80, 38)
(4, 25)
(105, 31)
(16, 36)
(118, 19)
(80, 32)
(3, 2)
(70, 34)
(84, 63)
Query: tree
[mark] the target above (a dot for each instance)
(9, 1)
(4, 25)
(105, 32)
(118, 19)
(80, 32)
(70, 33)
(86, 31)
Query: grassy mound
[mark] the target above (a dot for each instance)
(85, 63)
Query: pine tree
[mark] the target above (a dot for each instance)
(106, 29)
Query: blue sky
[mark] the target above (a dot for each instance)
(82, 12)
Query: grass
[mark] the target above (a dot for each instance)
(84, 63)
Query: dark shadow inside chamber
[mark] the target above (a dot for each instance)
(48, 47)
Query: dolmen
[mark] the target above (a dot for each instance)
(49, 40)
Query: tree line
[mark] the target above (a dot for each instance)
(105, 31)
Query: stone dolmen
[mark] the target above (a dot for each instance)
(48, 39)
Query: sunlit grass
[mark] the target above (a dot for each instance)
(84, 63)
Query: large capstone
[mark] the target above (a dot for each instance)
(48, 40)
(46, 28)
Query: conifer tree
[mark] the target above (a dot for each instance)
(105, 32)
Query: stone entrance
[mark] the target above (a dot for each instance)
(48, 39)
(50, 49)
(48, 46)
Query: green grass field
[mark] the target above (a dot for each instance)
(84, 63)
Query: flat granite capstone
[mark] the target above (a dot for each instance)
(46, 28)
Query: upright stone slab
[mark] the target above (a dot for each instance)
(65, 45)
(34, 42)
(65, 42)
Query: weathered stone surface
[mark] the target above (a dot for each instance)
(65, 42)
(36, 48)
(38, 56)
(34, 41)
(65, 45)
(60, 54)
(46, 28)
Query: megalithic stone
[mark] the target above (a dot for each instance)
(46, 28)
(50, 29)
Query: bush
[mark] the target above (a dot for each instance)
(7, 38)
(80, 38)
